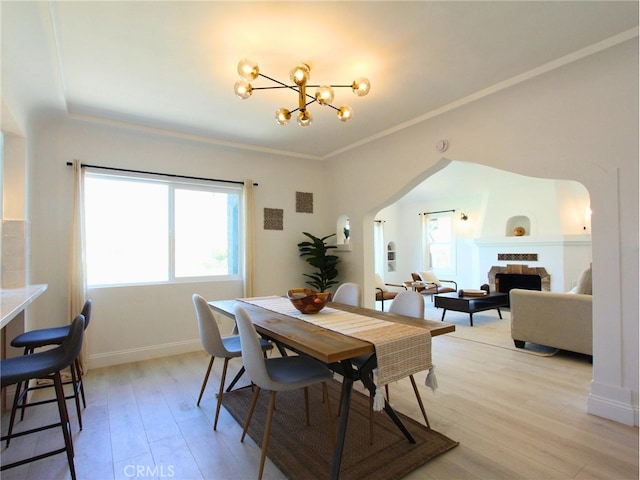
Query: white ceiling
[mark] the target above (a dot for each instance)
(464, 175)
(172, 65)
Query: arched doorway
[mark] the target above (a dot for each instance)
(556, 214)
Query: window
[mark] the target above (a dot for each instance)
(149, 230)
(439, 242)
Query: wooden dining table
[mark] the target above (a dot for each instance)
(332, 348)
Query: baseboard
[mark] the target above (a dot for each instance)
(613, 403)
(101, 360)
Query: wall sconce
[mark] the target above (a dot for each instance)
(463, 217)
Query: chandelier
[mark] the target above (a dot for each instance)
(299, 75)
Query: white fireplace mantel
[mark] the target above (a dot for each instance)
(538, 240)
(564, 256)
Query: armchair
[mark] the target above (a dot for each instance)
(383, 293)
(432, 284)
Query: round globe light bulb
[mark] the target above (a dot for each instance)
(345, 113)
(243, 89)
(324, 95)
(283, 116)
(361, 86)
(300, 74)
(248, 69)
(304, 118)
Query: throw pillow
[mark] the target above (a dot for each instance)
(430, 278)
(584, 285)
(380, 284)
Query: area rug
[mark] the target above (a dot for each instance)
(304, 452)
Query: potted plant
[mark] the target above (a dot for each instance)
(316, 254)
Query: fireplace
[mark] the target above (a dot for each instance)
(507, 281)
(503, 279)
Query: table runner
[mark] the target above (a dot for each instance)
(401, 350)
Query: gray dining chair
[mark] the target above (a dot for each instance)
(348, 294)
(278, 374)
(218, 346)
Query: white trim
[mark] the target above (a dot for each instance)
(118, 357)
(613, 403)
(523, 77)
(549, 241)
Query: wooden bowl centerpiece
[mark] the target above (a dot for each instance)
(308, 301)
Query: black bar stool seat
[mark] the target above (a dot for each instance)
(45, 365)
(45, 337)
(41, 338)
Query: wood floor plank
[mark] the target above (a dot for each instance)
(516, 415)
(173, 458)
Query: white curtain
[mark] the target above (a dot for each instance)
(379, 250)
(426, 258)
(78, 281)
(249, 234)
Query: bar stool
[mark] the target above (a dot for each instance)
(47, 337)
(45, 365)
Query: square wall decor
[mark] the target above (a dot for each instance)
(304, 202)
(273, 219)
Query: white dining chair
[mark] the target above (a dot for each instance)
(348, 294)
(278, 374)
(409, 304)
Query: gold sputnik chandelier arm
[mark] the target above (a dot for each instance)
(300, 74)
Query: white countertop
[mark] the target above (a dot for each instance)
(15, 300)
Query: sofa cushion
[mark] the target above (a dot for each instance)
(584, 285)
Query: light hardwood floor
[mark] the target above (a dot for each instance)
(516, 415)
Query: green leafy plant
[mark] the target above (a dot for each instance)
(316, 254)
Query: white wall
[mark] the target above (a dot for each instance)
(145, 321)
(579, 122)
(552, 205)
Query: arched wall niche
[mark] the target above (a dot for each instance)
(343, 229)
(518, 226)
(391, 256)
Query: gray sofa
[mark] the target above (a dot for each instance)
(559, 320)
